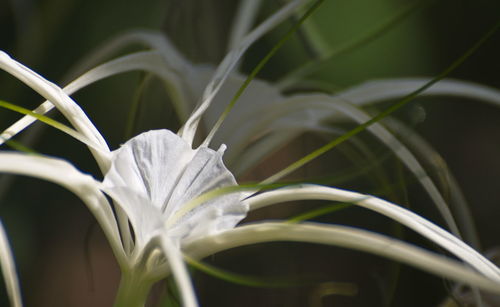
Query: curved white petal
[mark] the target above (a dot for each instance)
(9, 270)
(161, 173)
(84, 186)
(150, 165)
(179, 270)
(253, 103)
(301, 110)
(397, 213)
(153, 62)
(258, 99)
(144, 217)
(205, 172)
(229, 62)
(279, 110)
(385, 89)
(318, 109)
(243, 21)
(152, 39)
(344, 237)
(324, 104)
(64, 103)
(436, 165)
(150, 61)
(406, 156)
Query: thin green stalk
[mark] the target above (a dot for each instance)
(261, 65)
(134, 112)
(375, 32)
(240, 279)
(49, 121)
(19, 147)
(318, 212)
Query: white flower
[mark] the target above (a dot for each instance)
(159, 182)
(154, 174)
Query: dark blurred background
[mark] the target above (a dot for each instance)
(54, 236)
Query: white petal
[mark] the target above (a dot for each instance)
(145, 218)
(179, 270)
(397, 213)
(253, 103)
(204, 173)
(437, 165)
(229, 62)
(150, 61)
(277, 111)
(158, 169)
(243, 21)
(150, 165)
(344, 237)
(84, 186)
(152, 39)
(64, 103)
(382, 90)
(313, 110)
(9, 270)
(330, 105)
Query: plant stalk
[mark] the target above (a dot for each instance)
(133, 290)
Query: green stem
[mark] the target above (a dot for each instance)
(133, 290)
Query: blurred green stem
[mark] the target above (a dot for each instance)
(133, 290)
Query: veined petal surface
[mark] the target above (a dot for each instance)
(156, 173)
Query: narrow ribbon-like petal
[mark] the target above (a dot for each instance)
(66, 175)
(9, 270)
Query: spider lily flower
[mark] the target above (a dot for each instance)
(275, 119)
(159, 183)
(148, 191)
(142, 168)
(143, 201)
